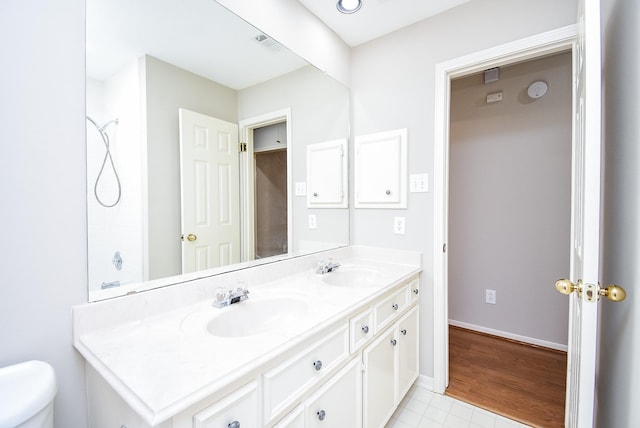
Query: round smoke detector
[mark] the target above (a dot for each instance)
(537, 89)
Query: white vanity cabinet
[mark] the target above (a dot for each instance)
(390, 368)
(352, 371)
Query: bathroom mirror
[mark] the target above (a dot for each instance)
(146, 59)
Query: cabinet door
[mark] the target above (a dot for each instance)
(379, 383)
(407, 351)
(327, 175)
(380, 170)
(337, 404)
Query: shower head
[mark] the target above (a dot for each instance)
(103, 127)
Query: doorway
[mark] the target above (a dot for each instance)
(522, 50)
(270, 159)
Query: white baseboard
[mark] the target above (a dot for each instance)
(525, 339)
(425, 382)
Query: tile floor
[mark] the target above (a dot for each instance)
(424, 409)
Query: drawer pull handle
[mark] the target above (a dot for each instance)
(404, 332)
(394, 342)
(415, 291)
(321, 415)
(234, 424)
(365, 329)
(395, 306)
(317, 364)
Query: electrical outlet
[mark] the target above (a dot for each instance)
(312, 221)
(398, 225)
(490, 296)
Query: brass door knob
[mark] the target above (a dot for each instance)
(191, 237)
(565, 286)
(615, 293)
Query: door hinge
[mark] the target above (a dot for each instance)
(242, 147)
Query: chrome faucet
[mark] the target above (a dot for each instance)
(326, 266)
(229, 296)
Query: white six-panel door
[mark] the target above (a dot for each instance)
(209, 191)
(583, 315)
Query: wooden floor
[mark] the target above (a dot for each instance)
(519, 381)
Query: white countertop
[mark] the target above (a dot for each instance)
(163, 362)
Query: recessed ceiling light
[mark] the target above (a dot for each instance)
(349, 6)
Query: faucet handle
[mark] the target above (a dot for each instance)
(221, 293)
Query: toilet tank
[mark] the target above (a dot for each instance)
(27, 391)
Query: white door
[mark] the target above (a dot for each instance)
(583, 314)
(209, 178)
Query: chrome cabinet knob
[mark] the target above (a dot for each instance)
(395, 306)
(317, 364)
(404, 332)
(365, 329)
(415, 291)
(321, 415)
(394, 342)
(388, 192)
(234, 424)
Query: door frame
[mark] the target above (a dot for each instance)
(543, 44)
(247, 180)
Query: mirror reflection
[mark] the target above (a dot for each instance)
(166, 79)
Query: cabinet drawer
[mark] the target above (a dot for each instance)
(386, 311)
(414, 290)
(284, 383)
(294, 419)
(337, 404)
(361, 329)
(240, 406)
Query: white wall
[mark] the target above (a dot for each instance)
(42, 169)
(618, 376)
(168, 88)
(118, 228)
(510, 201)
(392, 86)
(319, 112)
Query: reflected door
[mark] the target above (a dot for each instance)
(209, 180)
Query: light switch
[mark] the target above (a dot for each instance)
(419, 183)
(301, 188)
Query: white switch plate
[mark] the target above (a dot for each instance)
(312, 221)
(398, 225)
(494, 98)
(419, 183)
(490, 296)
(301, 188)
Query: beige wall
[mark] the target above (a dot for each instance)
(510, 201)
(169, 88)
(392, 86)
(618, 378)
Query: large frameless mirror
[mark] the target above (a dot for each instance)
(198, 128)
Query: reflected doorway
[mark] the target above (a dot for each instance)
(270, 196)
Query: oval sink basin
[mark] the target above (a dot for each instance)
(355, 276)
(251, 317)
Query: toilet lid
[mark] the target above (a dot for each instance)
(25, 389)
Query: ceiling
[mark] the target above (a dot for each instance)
(203, 37)
(197, 35)
(376, 17)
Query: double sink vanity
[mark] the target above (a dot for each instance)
(309, 346)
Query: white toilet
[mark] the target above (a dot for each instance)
(26, 395)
